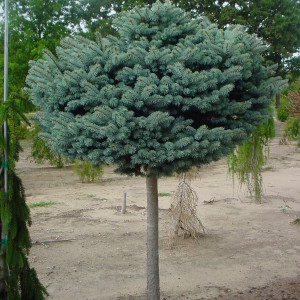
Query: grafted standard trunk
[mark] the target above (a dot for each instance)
(153, 291)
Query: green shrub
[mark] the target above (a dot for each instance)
(296, 221)
(87, 172)
(40, 152)
(23, 131)
(292, 130)
(283, 109)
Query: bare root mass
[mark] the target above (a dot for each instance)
(183, 213)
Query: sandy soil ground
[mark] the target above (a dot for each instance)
(250, 250)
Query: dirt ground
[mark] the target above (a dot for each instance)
(84, 248)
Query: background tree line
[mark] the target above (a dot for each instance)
(36, 24)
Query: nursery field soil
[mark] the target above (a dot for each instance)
(84, 248)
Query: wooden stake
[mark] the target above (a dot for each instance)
(124, 203)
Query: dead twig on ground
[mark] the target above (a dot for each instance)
(44, 243)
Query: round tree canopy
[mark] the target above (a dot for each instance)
(168, 93)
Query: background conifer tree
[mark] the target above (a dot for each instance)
(17, 279)
(170, 92)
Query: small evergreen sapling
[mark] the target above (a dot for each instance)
(170, 92)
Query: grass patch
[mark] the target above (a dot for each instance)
(285, 208)
(164, 194)
(41, 204)
(91, 196)
(296, 221)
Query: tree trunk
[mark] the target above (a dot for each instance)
(152, 239)
(277, 101)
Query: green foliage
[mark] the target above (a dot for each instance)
(40, 152)
(87, 172)
(98, 15)
(41, 204)
(294, 99)
(292, 129)
(277, 22)
(24, 132)
(169, 93)
(247, 161)
(12, 112)
(296, 221)
(21, 281)
(33, 26)
(293, 68)
(283, 109)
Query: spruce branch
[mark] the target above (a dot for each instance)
(48, 54)
(99, 39)
(107, 115)
(30, 80)
(137, 10)
(42, 73)
(255, 45)
(70, 43)
(226, 51)
(152, 49)
(208, 36)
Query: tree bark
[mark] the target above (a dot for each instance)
(153, 289)
(277, 101)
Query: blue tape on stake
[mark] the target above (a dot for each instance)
(4, 164)
(3, 241)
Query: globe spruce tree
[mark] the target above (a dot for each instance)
(170, 92)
